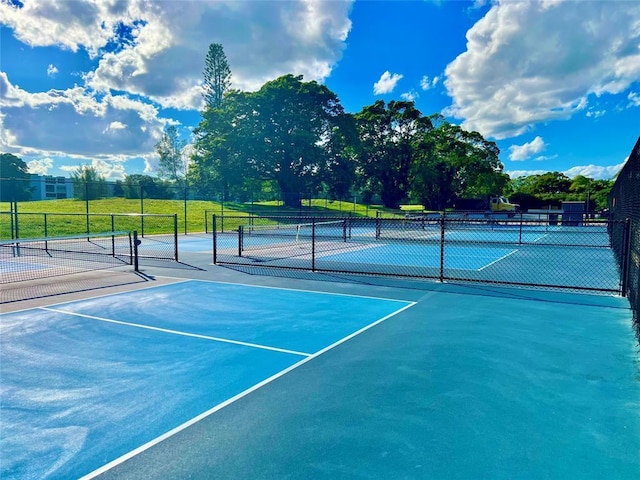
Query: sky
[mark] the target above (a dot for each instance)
(556, 84)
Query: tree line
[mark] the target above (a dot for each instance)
(294, 138)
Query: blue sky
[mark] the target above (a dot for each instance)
(555, 83)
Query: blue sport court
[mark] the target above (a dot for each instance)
(319, 377)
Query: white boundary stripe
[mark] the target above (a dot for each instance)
(498, 260)
(220, 406)
(178, 280)
(177, 332)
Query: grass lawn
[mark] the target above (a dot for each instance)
(68, 216)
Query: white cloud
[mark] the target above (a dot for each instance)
(163, 57)
(52, 70)
(109, 169)
(526, 151)
(595, 113)
(531, 62)
(634, 99)
(426, 83)
(409, 96)
(387, 83)
(76, 122)
(595, 171)
(592, 171)
(40, 166)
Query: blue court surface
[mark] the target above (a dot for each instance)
(304, 379)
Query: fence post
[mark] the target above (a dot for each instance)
(175, 234)
(626, 256)
(313, 244)
(520, 240)
(86, 200)
(215, 239)
(142, 209)
(16, 223)
(240, 234)
(442, 221)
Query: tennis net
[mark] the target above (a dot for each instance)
(281, 234)
(35, 258)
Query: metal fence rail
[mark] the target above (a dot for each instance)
(158, 233)
(510, 251)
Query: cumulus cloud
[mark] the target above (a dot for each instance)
(52, 70)
(596, 172)
(387, 83)
(76, 122)
(526, 151)
(634, 99)
(105, 168)
(530, 62)
(158, 50)
(40, 166)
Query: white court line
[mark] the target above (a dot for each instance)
(497, 260)
(289, 289)
(177, 332)
(228, 402)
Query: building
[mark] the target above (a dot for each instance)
(47, 187)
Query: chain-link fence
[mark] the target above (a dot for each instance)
(474, 248)
(624, 206)
(156, 196)
(159, 233)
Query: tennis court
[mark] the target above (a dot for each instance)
(510, 251)
(216, 373)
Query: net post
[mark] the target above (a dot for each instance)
(442, 221)
(240, 239)
(136, 242)
(175, 235)
(215, 239)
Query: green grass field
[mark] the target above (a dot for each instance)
(49, 218)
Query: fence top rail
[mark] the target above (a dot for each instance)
(94, 214)
(120, 233)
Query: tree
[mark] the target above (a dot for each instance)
(283, 133)
(149, 187)
(217, 163)
(217, 76)
(14, 179)
(386, 153)
(88, 184)
(172, 164)
(452, 163)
